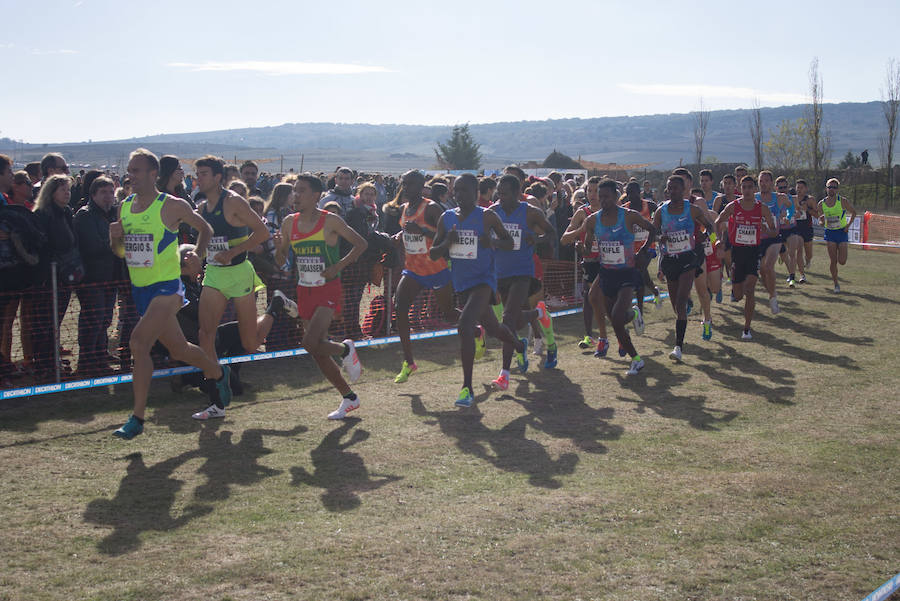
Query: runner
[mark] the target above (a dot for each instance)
(711, 197)
(745, 219)
(515, 271)
(613, 227)
(464, 235)
(646, 208)
(146, 235)
(418, 222)
(312, 237)
(729, 185)
(229, 275)
(709, 281)
(788, 227)
(770, 245)
(833, 215)
(576, 233)
(806, 208)
(680, 262)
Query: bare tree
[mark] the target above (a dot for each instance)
(819, 135)
(756, 132)
(890, 103)
(701, 120)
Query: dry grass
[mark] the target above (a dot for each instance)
(763, 470)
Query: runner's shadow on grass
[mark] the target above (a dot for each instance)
(818, 332)
(735, 371)
(144, 502)
(228, 463)
(654, 388)
(558, 408)
(507, 449)
(341, 473)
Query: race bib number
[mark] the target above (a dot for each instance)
(309, 271)
(745, 235)
(216, 245)
(595, 250)
(139, 250)
(640, 234)
(466, 246)
(832, 222)
(414, 244)
(678, 242)
(516, 233)
(707, 248)
(612, 252)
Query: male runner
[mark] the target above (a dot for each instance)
(418, 222)
(729, 185)
(613, 227)
(515, 271)
(312, 237)
(646, 208)
(788, 230)
(229, 275)
(680, 262)
(146, 235)
(709, 280)
(770, 246)
(806, 209)
(710, 196)
(746, 218)
(833, 210)
(464, 235)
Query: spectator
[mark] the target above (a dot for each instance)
(440, 193)
(86, 180)
(21, 191)
(52, 163)
(171, 181)
(250, 174)
(238, 187)
(343, 180)
(102, 268)
(486, 188)
(380, 191)
(231, 173)
(33, 170)
(54, 218)
(390, 214)
(279, 205)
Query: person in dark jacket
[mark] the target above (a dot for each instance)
(102, 268)
(54, 218)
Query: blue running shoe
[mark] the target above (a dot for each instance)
(622, 351)
(465, 398)
(602, 347)
(223, 386)
(690, 306)
(522, 358)
(719, 296)
(131, 429)
(551, 361)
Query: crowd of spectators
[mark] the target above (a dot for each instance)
(50, 217)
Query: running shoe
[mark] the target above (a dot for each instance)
(465, 398)
(479, 346)
(288, 306)
(351, 364)
(622, 351)
(501, 383)
(675, 355)
(773, 304)
(837, 288)
(539, 347)
(522, 358)
(551, 361)
(223, 386)
(405, 372)
(719, 296)
(346, 407)
(746, 335)
(586, 343)
(636, 366)
(802, 279)
(210, 412)
(787, 280)
(707, 330)
(657, 299)
(638, 322)
(690, 306)
(792, 284)
(733, 297)
(130, 429)
(602, 347)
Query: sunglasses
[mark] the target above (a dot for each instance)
(832, 187)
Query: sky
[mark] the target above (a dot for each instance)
(100, 70)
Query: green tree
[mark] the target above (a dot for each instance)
(850, 160)
(460, 151)
(558, 160)
(787, 148)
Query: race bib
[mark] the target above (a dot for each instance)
(516, 232)
(678, 242)
(466, 246)
(139, 250)
(801, 215)
(414, 244)
(612, 252)
(640, 234)
(309, 271)
(216, 245)
(745, 235)
(595, 250)
(832, 222)
(707, 248)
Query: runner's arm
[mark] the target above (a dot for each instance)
(339, 226)
(241, 211)
(852, 213)
(492, 222)
(576, 227)
(633, 218)
(183, 213)
(537, 221)
(771, 226)
(117, 235)
(442, 242)
(283, 241)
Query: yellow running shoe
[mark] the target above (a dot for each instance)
(405, 372)
(479, 344)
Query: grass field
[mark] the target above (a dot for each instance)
(761, 470)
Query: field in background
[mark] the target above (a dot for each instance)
(762, 470)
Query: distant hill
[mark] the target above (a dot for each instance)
(663, 140)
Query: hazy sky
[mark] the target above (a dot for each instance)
(100, 69)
